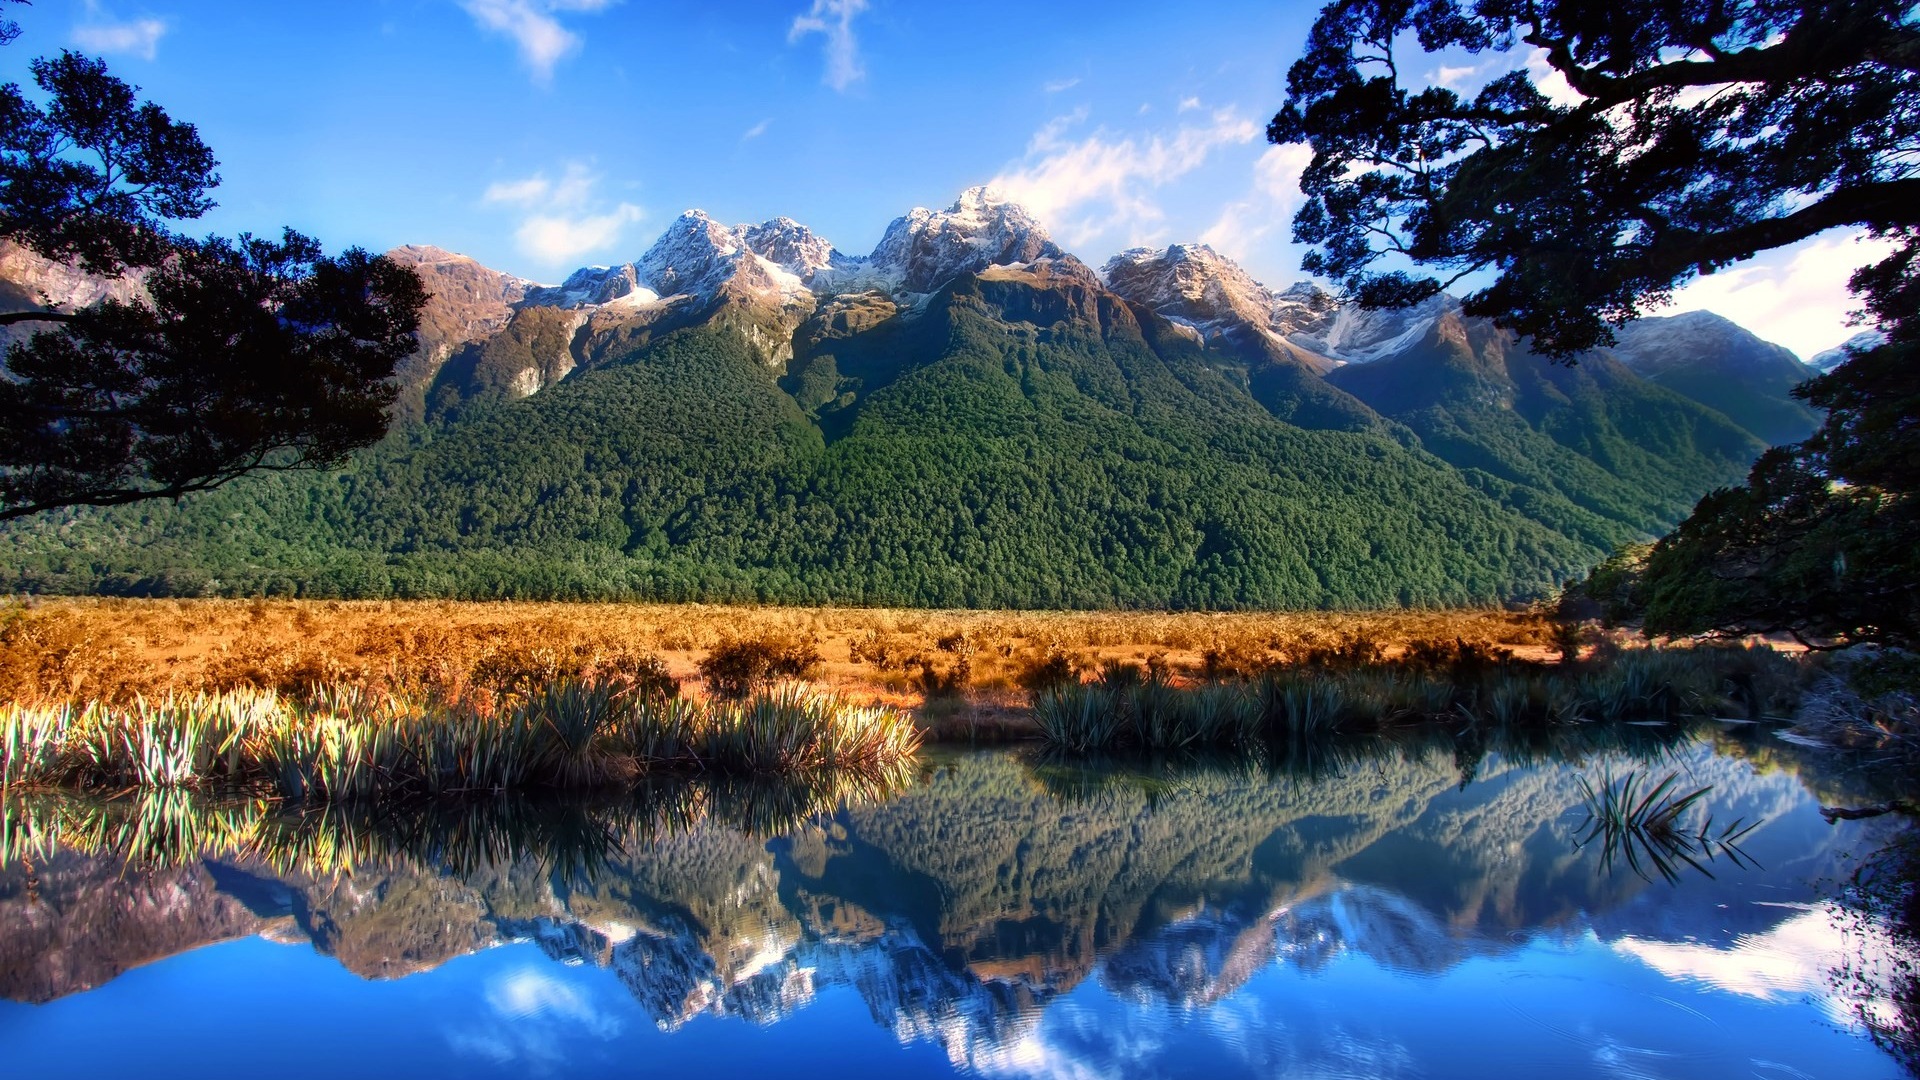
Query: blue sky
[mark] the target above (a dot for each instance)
(542, 135)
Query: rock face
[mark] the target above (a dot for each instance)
(1824, 362)
(1197, 287)
(927, 248)
(1715, 362)
(74, 923)
(28, 281)
(466, 303)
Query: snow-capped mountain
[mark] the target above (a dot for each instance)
(1824, 362)
(924, 249)
(1357, 335)
(1197, 287)
(698, 259)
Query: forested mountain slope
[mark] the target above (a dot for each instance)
(968, 416)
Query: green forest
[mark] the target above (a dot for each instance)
(1015, 443)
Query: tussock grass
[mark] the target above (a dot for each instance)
(348, 745)
(1354, 690)
(114, 650)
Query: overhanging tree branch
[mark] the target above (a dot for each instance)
(14, 318)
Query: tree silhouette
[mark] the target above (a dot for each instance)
(1683, 137)
(233, 356)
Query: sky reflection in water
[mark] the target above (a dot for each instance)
(997, 916)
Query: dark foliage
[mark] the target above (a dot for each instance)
(1591, 208)
(1587, 211)
(248, 356)
(240, 356)
(93, 176)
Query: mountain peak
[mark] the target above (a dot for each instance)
(791, 246)
(925, 248)
(1194, 285)
(1829, 359)
(1723, 365)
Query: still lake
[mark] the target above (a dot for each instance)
(1382, 908)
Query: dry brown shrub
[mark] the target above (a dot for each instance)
(116, 648)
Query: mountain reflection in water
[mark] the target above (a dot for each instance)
(1338, 911)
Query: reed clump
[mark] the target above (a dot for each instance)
(344, 744)
(1646, 824)
(1351, 687)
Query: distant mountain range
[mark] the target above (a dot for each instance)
(968, 415)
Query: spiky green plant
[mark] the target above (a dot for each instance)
(1078, 716)
(1641, 822)
(33, 744)
(1301, 704)
(1221, 715)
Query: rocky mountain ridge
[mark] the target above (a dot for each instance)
(784, 287)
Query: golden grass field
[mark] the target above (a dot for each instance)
(114, 649)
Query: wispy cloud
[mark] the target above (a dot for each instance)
(833, 19)
(756, 130)
(1058, 85)
(564, 219)
(1102, 183)
(101, 33)
(534, 27)
(1269, 204)
(1189, 104)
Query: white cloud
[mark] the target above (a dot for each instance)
(1548, 80)
(534, 1020)
(564, 218)
(1796, 296)
(756, 130)
(1189, 104)
(1454, 78)
(1103, 183)
(531, 190)
(531, 24)
(1269, 205)
(1794, 961)
(834, 20)
(1058, 85)
(135, 37)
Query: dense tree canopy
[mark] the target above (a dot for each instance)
(1681, 137)
(234, 356)
(1685, 136)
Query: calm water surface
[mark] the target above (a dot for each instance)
(1381, 910)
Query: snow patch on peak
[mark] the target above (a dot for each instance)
(923, 249)
(1357, 335)
(1826, 361)
(1197, 287)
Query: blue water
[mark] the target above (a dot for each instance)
(993, 918)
